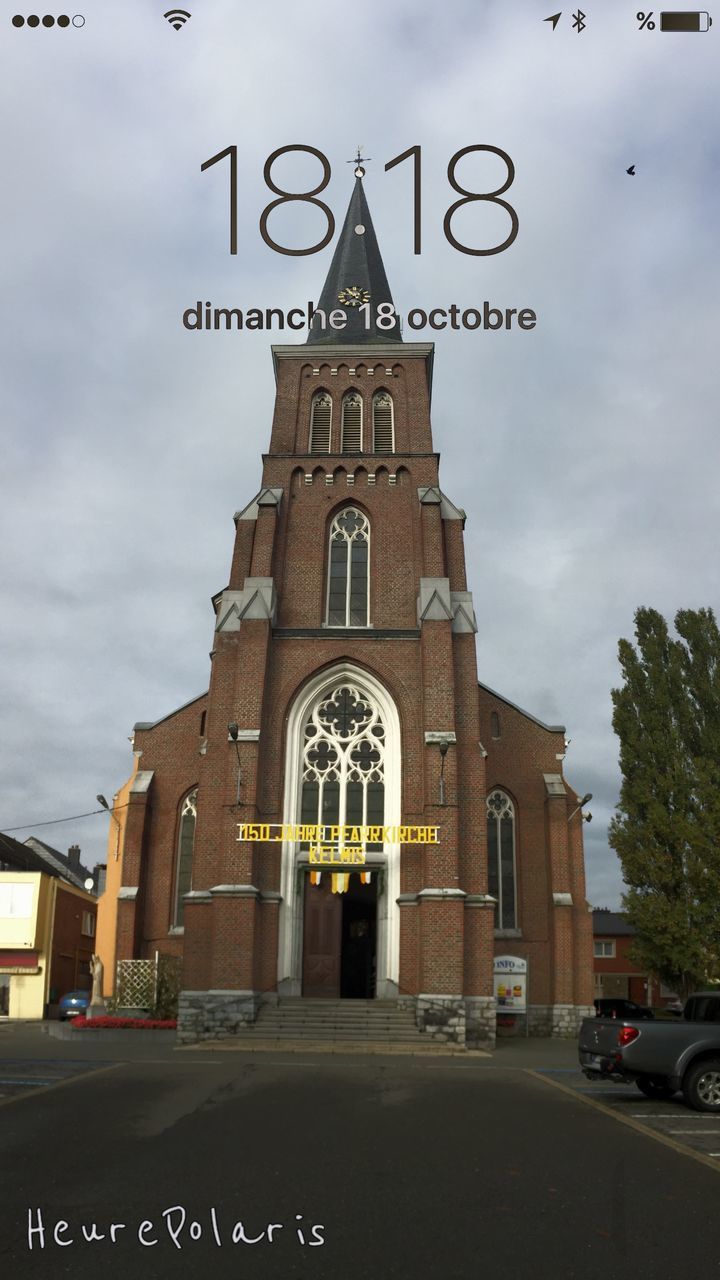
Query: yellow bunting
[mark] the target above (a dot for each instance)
(365, 877)
(315, 877)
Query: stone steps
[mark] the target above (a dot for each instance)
(369, 1025)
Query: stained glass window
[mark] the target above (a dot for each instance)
(186, 839)
(348, 570)
(501, 858)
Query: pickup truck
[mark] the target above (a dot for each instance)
(661, 1057)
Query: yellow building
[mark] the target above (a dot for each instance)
(106, 943)
(47, 937)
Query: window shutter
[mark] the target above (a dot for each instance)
(352, 424)
(382, 424)
(320, 425)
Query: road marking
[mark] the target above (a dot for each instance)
(663, 1138)
(692, 1131)
(652, 1115)
(59, 1084)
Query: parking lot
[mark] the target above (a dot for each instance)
(676, 1124)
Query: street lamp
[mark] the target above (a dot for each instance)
(101, 800)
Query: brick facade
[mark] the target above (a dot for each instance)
(273, 653)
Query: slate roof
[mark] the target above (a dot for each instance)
(35, 855)
(611, 924)
(356, 262)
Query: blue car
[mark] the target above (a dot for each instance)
(72, 1003)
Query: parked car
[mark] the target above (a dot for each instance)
(612, 1007)
(661, 1059)
(72, 1003)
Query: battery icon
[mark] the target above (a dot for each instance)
(685, 21)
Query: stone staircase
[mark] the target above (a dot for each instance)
(362, 1026)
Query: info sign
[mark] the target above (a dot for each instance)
(510, 984)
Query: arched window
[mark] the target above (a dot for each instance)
(186, 838)
(320, 419)
(383, 426)
(351, 423)
(348, 596)
(494, 724)
(501, 858)
(343, 761)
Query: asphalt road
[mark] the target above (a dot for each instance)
(405, 1168)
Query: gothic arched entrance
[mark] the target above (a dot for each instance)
(339, 927)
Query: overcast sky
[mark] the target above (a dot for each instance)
(584, 452)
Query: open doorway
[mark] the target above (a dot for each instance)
(340, 939)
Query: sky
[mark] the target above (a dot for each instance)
(584, 452)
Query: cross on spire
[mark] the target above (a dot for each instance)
(359, 160)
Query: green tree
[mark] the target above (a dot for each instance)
(666, 830)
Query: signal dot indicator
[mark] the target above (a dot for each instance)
(49, 20)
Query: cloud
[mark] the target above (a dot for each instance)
(584, 452)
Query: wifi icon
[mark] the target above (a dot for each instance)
(177, 17)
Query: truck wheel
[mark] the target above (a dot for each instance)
(701, 1086)
(655, 1087)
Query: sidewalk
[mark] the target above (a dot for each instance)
(33, 1041)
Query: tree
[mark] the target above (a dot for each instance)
(666, 830)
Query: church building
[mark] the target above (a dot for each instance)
(347, 813)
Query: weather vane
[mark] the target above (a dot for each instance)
(359, 160)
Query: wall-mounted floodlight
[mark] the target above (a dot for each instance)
(233, 733)
(587, 817)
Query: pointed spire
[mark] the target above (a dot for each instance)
(356, 276)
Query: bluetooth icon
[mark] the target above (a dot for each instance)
(579, 21)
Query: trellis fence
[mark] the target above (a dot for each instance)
(149, 984)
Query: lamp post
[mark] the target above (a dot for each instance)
(101, 800)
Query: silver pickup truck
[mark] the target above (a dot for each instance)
(661, 1057)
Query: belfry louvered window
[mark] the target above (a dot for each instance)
(186, 840)
(383, 427)
(320, 419)
(501, 858)
(352, 423)
(348, 570)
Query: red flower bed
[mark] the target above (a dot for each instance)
(139, 1024)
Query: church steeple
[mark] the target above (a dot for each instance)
(356, 276)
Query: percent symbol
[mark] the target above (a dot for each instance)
(644, 20)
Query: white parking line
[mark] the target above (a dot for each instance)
(692, 1131)
(652, 1115)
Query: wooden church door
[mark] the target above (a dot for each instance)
(322, 940)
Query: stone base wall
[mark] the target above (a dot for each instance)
(480, 1022)
(540, 1019)
(567, 1019)
(559, 1020)
(442, 1018)
(214, 1015)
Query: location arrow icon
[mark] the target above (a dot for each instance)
(554, 18)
